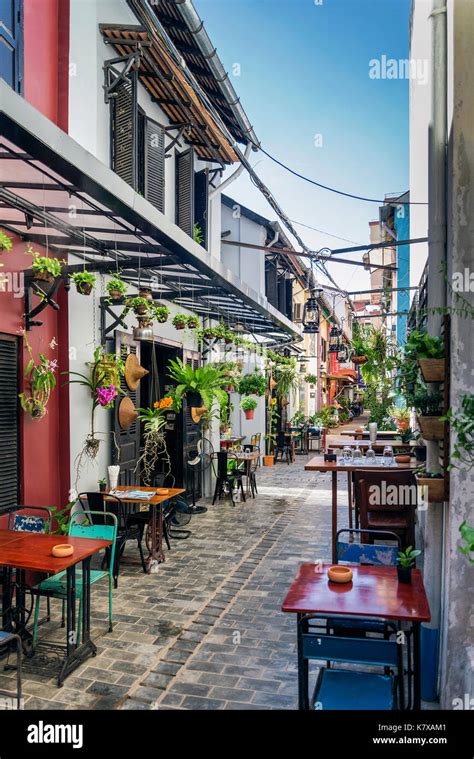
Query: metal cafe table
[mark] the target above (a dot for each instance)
(155, 504)
(373, 592)
(317, 464)
(26, 551)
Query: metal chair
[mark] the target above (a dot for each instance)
(228, 475)
(99, 525)
(6, 638)
(128, 527)
(27, 522)
(284, 447)
(376, 516)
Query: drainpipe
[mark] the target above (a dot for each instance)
(437, 221)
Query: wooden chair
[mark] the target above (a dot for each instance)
(386, 500)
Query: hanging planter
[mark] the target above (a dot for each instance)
(432, 369)
(145, 292)
(180, 321)
(116, 288)
(161, 313)
(140, 306)
(248, 404)
(40, 380)
(45, 270)
(434, 486)
(193, 322)
(359, 360)
(432, 427)
(84, 281)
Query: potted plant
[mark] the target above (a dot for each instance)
(193, 321)
(145, 292)
(401, 416)
(462, 424)
(6, 242)
(405, 564)
(429, 412)
(358, 345)
(467, 534)
(102, 485)
(180, 321)
(161, 313)
(253, 383)
(311, 379)
(140, 306)
(84, 281)
(288, 380)
(198, 234)
(200, 386)
(429, 351)
(116, 287)
(40, 379)
(248, 404)
(433, 484)
(44, 269)
(271, 423)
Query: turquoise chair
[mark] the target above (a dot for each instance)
(93, 525)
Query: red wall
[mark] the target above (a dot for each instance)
(44, 474)
(46, 57)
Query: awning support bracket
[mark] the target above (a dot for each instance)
(105, 308)
(113, 77)
(31, 287)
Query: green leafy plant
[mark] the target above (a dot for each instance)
(154, 442)
(40, 380)
(253, 383)
(219, 332)
(116, 287)
(180, 321)
(84, 281)
(422, 472)
(272, 420)
(208, 381)
(400, 412)
(198, 235)
(232, 370)
(462, 424)
(428, 403)
(248, 403)
(467, 535)
(298, 419)
(161, 313)
(43, 265)
(192, 322)
(311, 379)
(288, 380)
(62, 518)
(422, 345)
(6, 242)
(406, 435)
(139, 305)
(406, 558)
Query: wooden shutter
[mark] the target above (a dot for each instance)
(154, 164)
(201, 198)
(128, 441)
(9, 458)
(124, 131)
(11, 43)
(185, 191)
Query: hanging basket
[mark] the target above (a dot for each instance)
(358, 360)
(432, 427)
(432, 369)
(115, 294)
(249, 413)
(145, 292)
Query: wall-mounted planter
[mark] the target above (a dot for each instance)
(435, 488)
(432, 369)
(432, 427)
(358, 360)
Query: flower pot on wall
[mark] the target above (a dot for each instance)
(432, 369)
(432, 427)
(435, 488)
(358, 360)
(249, 414)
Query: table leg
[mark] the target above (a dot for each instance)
(334, 515)
(303, 666)
(86, 602)
(349, 497)
(71, 641)
(416, 667)
(156, 555)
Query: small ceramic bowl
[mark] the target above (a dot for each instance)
(162, 491)
(402, 458)
(62, 550)
(340, 574)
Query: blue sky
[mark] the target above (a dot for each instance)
(304, 71)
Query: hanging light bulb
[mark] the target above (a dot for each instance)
(311, 313)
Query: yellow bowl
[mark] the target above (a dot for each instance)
(62, 550)
(162, 491)
(340, 574)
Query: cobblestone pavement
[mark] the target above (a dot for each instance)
(206, 631)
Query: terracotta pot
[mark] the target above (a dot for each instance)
(357, 360)
(435, 488)
(249, 413)
(229, 388)
(402, 458)
(179, 325)
(140, 310)
(432, 428)
(268, 461)
(432, 369)
(62, 550)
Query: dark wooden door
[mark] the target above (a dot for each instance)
(127, 441)
(9, 422)
(191, 434)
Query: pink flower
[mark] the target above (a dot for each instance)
(106, 395)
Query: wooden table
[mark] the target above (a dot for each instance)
(228, 442)
(155, 525)
(374, 592)
(317, 464)
(23, 551)
(247, 457)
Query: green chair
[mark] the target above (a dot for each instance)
(93, 525)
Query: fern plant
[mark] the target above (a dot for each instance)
(208, 381)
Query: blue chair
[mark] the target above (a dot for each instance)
(355, 689)
(101, 525)
(40, 523)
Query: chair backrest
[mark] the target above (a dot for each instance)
(96, 503)
(385, 491)
(365, 553)
(253, 440)
(95, 525)
(221, 457)
(373, 651)
(26, 522)
(282, 439)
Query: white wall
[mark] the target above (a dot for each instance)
(246, 263)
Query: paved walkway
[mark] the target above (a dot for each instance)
(206, 631)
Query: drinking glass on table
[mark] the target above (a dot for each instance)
(388, 459)
(370, 456)
(347, 455)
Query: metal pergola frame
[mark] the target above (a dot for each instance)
(60, 196)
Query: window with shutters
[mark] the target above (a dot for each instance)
(201, 200)
(185, 191)
(124, 137)
(297, 312)
(153, 161)
(11, 43)
(9, 422)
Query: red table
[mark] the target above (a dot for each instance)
(23, 551)
(374, 592)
